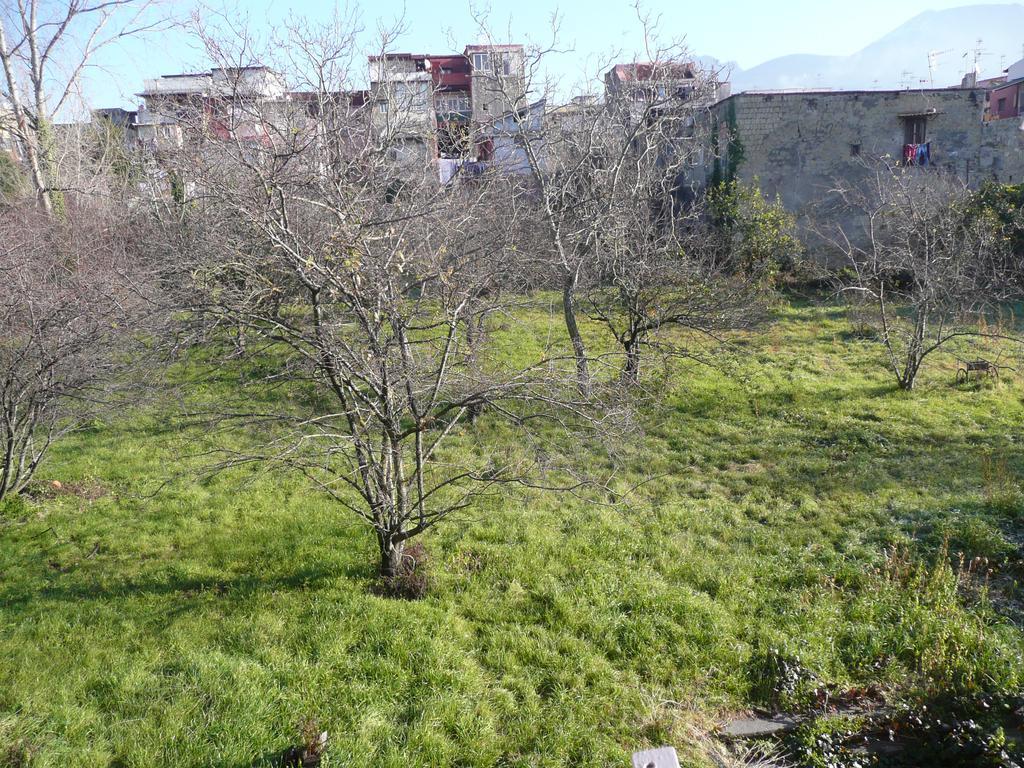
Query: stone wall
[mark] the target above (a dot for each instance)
(798, 145)
(1002, 151)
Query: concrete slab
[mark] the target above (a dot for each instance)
(759, 726)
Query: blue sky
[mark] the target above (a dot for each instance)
(746, 31)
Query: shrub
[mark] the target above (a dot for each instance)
(12, 181)
(759, 235)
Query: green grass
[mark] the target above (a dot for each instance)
(799, 503)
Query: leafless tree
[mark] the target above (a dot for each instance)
(667, 283)
(70, 309)
(368, 287)
(661, 261)
(934, 272)
(589, 160)
(44, 49)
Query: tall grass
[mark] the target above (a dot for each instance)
(798, 503)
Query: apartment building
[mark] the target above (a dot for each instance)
(433, 106)
(680, 83)
(233, 101)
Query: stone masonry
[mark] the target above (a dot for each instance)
(799, 144)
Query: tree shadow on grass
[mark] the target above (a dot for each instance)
(185, 593)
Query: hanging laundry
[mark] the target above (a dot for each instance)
(909, 154)
(924, 154)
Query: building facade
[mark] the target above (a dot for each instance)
(440, 107)
(1007, 99)
(8, 143)
(497, 80)
(798, 145)
(242, 102)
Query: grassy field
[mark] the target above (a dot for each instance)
(800, 503)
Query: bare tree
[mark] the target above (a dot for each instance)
(662, 260)
(44, 49)
(69, 311)
(588, 160)
(365, 284)
(667, 283)
(934, 272)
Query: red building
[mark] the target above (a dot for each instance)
(1007, 99)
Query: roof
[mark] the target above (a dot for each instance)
(353, 98)
(496, 48)
(1010, 84)
(991, 82)
(393, 56)
(646, 70)
(863, 92)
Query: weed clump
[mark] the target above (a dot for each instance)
(412, 580)
(13, 508)
(779, 680)
(19, 754)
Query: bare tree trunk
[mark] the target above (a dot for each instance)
(25, 132)
(391, 553)
(579, 350)
(912, 366)
(52, 199)
(915, 350)
(631, 369)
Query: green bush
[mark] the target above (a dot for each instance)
(758, 234)
(12, 181)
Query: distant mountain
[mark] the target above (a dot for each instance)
(900, 59)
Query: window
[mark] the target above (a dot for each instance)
(453, 102)
(1002, 105)
(855, 150)
(382, 106)
(506, 64)
(915, 129)
(481, 61)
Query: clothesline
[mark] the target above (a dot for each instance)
(917, 154)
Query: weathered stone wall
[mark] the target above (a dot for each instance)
(799, 145)
(1002, 151)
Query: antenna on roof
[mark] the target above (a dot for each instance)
(933, 60)
(978, 53)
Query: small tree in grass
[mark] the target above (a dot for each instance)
(663, 270)
(935, 271)
(667, 284)
(366, 286)
(70, 305)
